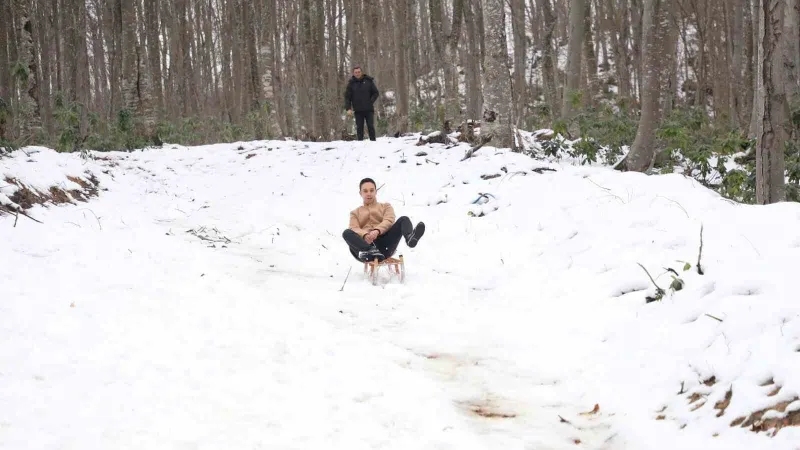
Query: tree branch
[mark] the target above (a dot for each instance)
(700, 253)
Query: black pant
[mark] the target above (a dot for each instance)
(370, 118)
(387, 243)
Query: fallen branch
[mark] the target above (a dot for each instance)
(715, 318)
(17, 212)
(205, 237)
(29, 217)
(472, 150)
(345, 278)
(700, 253)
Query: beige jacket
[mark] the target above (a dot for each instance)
(377, 216)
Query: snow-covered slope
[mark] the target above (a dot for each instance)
(206, 300)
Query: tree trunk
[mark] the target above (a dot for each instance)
(400, 9)
(636, 38)
(549, 59)
(655, 72)
(43, 15)
(791, 50)
(5, 68)
(474, 90)
(436, 13)
(757, 112)
(153, 45)
(520, 91)
(619, 38)
(572, 92)
(737, 41)
(497, 118)
(591, 83)
(452, 100)
(770, 165)
(31, 122)
(80, 88)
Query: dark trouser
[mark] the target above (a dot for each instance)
(387, 243)
(369, 116)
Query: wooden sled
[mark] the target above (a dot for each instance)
(395, 266)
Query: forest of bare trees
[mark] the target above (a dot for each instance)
(111, 74)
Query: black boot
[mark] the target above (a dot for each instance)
(413, 238)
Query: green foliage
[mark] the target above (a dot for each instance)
(68, 118)
(419, 119)
(381, 125)
(608, 128)
(691, 134)
(20, 72)
(603, 135)
(587, 148)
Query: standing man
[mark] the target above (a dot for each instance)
(359, 96)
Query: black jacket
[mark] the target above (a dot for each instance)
(360, 94)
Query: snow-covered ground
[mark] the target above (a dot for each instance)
(206, 300)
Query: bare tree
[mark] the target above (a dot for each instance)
(26, 71)
(774, 133)
(577, 23)
(655, 24)
(497, 120)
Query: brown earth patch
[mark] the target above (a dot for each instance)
(26, 197)
(757, 423)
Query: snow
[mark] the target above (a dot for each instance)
(206, 300)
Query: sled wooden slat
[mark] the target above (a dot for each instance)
(397, 264)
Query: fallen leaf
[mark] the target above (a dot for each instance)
(593, 411)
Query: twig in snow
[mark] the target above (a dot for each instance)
(659, 291)
(700, 253)
(751, 245)
(26, 215)
(715, 318)
(16, 217)
(679, 205)
(95, 216)
(601, 187)
(607, 190)
(345, 278)
(473, 150)
(649, 276)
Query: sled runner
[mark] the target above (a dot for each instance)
(396, 266)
